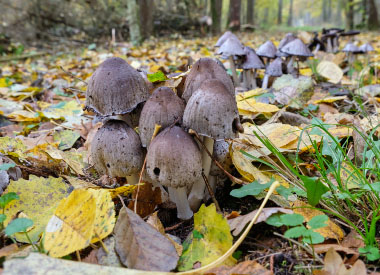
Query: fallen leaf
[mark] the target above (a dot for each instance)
(147, 200)
(246, 267)
(331, 71)
(141, 246)
(8, 250)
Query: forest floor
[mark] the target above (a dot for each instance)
(320, 143)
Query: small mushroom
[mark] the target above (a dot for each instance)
(224, 37)
(174, 160)
(229, 49)
(164, 108)
(116, 151)
(274, 69)
(296, 49)
(115, 88)
(251, 62)
(212, 113)
(206, 68)
(367, 48)
(267, 51)
(350, 49)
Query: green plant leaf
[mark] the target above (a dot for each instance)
(318, 222)
(7, 198)
(252, 189)
(2, 217)
(284, 192)
(18, 225)
(157, 77)
(371, 252)
(6, 166)
(292, 219)
(312, 237)
(275, 220)
(295, 232)
(314, 188)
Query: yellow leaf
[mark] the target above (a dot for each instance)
(330, 99)
(71, 228)
(331, 231)
(250, 94)
(122, 190)
(24, 116)
(306, 71)
(39, 198)
(331, 71)
(63, 109)
(13, 147)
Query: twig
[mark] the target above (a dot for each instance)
(72, 75)
(307, 249)
(231, 177)
(170, 228)
(212, 195)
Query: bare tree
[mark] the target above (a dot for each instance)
(279, 12)
(251, 12)
(373, 21)
(134, 22)
(350, 14)
(216, 14)
(146, 17)
(290, 18)
(234, 18)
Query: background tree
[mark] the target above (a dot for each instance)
(290, 16)
(216, 16)
(234, 18)
(251, 12)
(279, 13)
(373, 20)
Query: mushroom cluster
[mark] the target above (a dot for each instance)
(119, 95)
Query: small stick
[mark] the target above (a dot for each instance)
(170, 228)
(103, 245)
(72, 75)
(231, 177)
(212, 195)
(78, 255)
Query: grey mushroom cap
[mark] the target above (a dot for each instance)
(252, 61)
(351, 48)
(222, 155)
(231, 47)
(268, 49)
(164, 108)
(367, 47)
(203, 69)
(116, 150)
(224, 37)
(289, 37)
(212, 111)
(296, 48)
(275, 68)
(174, 159)
(115, 88)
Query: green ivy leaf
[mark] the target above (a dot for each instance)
(312, 237)
(275, 220)
(371, 252)
(252, 189)
(7, 198)
(291, 219)
(157, 77)
(18, 225)
(314, 189)
(295, 232)
(283, 191)
(318, 222)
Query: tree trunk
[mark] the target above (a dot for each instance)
(216, 13)
(146, 17)
(234, 22)
(279, 14)
(364, 10)
(329, 10)
(134, 22)
(266, 15)
(251, 12)
(338, 15)
(324, 11)
(290, 18)
(350, 14)
(373, 21)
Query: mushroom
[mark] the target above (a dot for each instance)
(206, 68)
(316, 44)
(366, 49)
(267, 51)
(164, 108)
(115, 89)
(212, 112)
(230, 48)
(350, 49)
(174, 160)
(296, 49)
(116, 151)
(224, 37)
(252, 61)
(274, 69)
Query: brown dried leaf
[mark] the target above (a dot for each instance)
(147, 200)
(141, 246)
(8, 250)
(246, 267)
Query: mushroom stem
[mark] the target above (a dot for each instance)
(233, 70)
(265, 81)
(179, 197)
(290, 66)
(317, 48)
(198, 190)
(246, 79)
(133, 179)
(329, 45)
(253, 79)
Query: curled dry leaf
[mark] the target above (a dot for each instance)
(141, 246)
(237, 224)
(246, 267)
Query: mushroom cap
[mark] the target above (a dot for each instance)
(351, 48)
(252, 61)
(174, 159)
(212, 111)
(115, 88)
(275, 67)
(296, 48)
(222, 155)
(289, 37)
(231, 47)
(350, 33)
(367, 47)
(224, 37)
(203, 69)
(268, 49)
(116, 150)
(164, 108)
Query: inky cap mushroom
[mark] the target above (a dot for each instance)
(268, 50)
(174, 160)
(164, 108)
(224, 37)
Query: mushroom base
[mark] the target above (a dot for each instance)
(179, 197)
